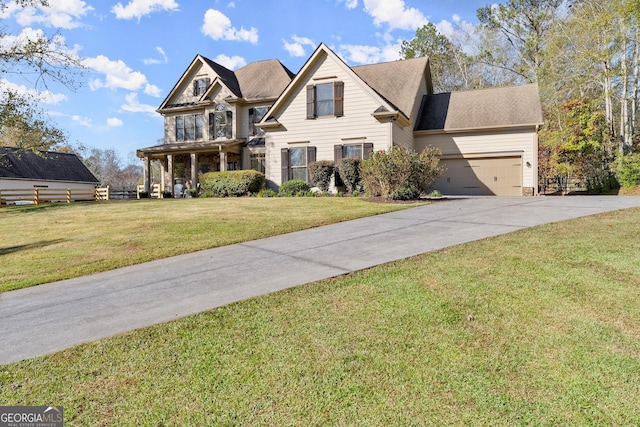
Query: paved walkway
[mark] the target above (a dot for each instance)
(51, 317)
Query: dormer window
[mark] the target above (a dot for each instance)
(200, 86)
(326, 99)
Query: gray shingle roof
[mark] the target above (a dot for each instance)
(45, 166)
(263, 79)
(494, 107)
(227, 76)
(399, 82)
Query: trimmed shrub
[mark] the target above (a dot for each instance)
(627, 170)
(231, 183)
(320, 173)
(349, 171)
(400, 174)
(293, 188)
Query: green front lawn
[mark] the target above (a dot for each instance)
(537, 327)
(45, 243)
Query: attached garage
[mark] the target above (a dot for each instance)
(498, 176)
(488, 139)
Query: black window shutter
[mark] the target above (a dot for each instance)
(338, 99)
(212, 126)
(367, 149)
(311, 102)
(252, 126)
(229, 125)
(311, 157)
(207, 81)
(284, 161)
(337, 153)
(195, 88)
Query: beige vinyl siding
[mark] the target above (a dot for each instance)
(184, 93)
(403, 136)
(489, 144)
(325, 132)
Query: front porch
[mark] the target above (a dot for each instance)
(182, 164)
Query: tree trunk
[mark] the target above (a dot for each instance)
(634, 94)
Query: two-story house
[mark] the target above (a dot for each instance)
(210, 119)
(329, 110)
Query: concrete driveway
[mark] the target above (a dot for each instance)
(47, 318)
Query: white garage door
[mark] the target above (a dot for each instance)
(500, 176)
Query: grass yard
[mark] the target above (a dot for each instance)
(537, 327)
(46, 243)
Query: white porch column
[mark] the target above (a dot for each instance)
(223, 161)
(194, 170)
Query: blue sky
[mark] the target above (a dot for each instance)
(134, 51)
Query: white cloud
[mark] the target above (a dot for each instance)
(134, 106)
(395, 14)
(114, 122)
(59, 14)
(117, 74)
(152, 61)
(218, 26)
(139, 8)
(231, 5)
(360, 54)
(82, 121)
(453, 30)
(350, 4)
(152, 90)
(232, 63)
(296, 46)
(46, 97)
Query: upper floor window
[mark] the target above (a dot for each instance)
(255, 115)
(200, 86)
(220, 122)
(326, 99)
(189, 127)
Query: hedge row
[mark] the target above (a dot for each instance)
(231, 183)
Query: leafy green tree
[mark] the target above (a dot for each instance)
(23, 126)
(449, 64)
(22, 123)
(576, 146)
(524, 25)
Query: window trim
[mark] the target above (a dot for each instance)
(255, 118)
(186, 127)
(286, 170)
(367, 149)
(338, 100)
(261, 159)
(200, 90)
(224, 111)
